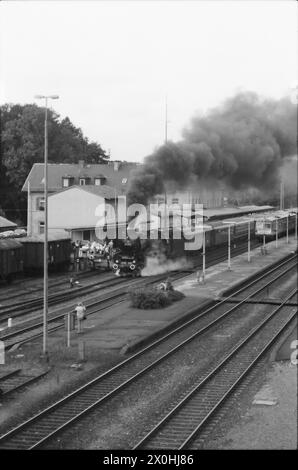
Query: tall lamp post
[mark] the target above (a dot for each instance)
(45, 248)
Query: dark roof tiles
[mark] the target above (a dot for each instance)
(56, 171)
(107, 192)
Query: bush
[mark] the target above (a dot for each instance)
(150, 298)
(175, 295)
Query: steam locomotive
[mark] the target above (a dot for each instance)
(128, 258)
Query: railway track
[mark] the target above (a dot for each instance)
(39, 429)
(14, 380)
(56, 321)
(22, 334)
(30, 285)
(25, 306)
(22, 308)
(212, 257)
(182, 427)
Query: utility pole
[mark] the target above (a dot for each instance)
(166, 141)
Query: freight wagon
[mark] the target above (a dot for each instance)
(59, 251)
(11, 259)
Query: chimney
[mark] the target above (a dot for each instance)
(81, 163)
(116, 165)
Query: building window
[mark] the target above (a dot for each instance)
(40, 204)
(160, 200)
(175, 200)
(97, 181)
(82, 181)
(86, 235)
(41, 227)
(65, 182)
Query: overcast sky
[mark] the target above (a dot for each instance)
(113, 62)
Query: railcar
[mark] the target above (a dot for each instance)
(218, 233)
(59, 251)
(269, 225)
(11, 259)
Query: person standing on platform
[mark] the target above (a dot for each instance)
(81, 314)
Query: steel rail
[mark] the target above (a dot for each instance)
(37, 288)
(103, 376)
(35, 302)
(150, 440)
(118, 298)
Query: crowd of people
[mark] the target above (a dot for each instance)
(89, 249)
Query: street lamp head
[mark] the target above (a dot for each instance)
(52, 97)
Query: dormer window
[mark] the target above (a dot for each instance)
(67, 181)
(99, 180)
(82, 181)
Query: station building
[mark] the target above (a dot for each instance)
(76, 210)
(77, 185)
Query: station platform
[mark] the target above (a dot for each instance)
(125, 329)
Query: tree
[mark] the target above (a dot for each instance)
(22, 145)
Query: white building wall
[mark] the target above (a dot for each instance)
(77, 210)
(35, 216)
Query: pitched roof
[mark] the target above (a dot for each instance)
(103, 190)
(53, 235)
(225, 212)
(5, 223)
(56, 171)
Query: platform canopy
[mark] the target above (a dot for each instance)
(9, 244)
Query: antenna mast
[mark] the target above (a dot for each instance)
(166, 121)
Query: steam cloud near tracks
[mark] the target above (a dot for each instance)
(161, 265)
(242, 143)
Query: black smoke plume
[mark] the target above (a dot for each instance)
(242, 143)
